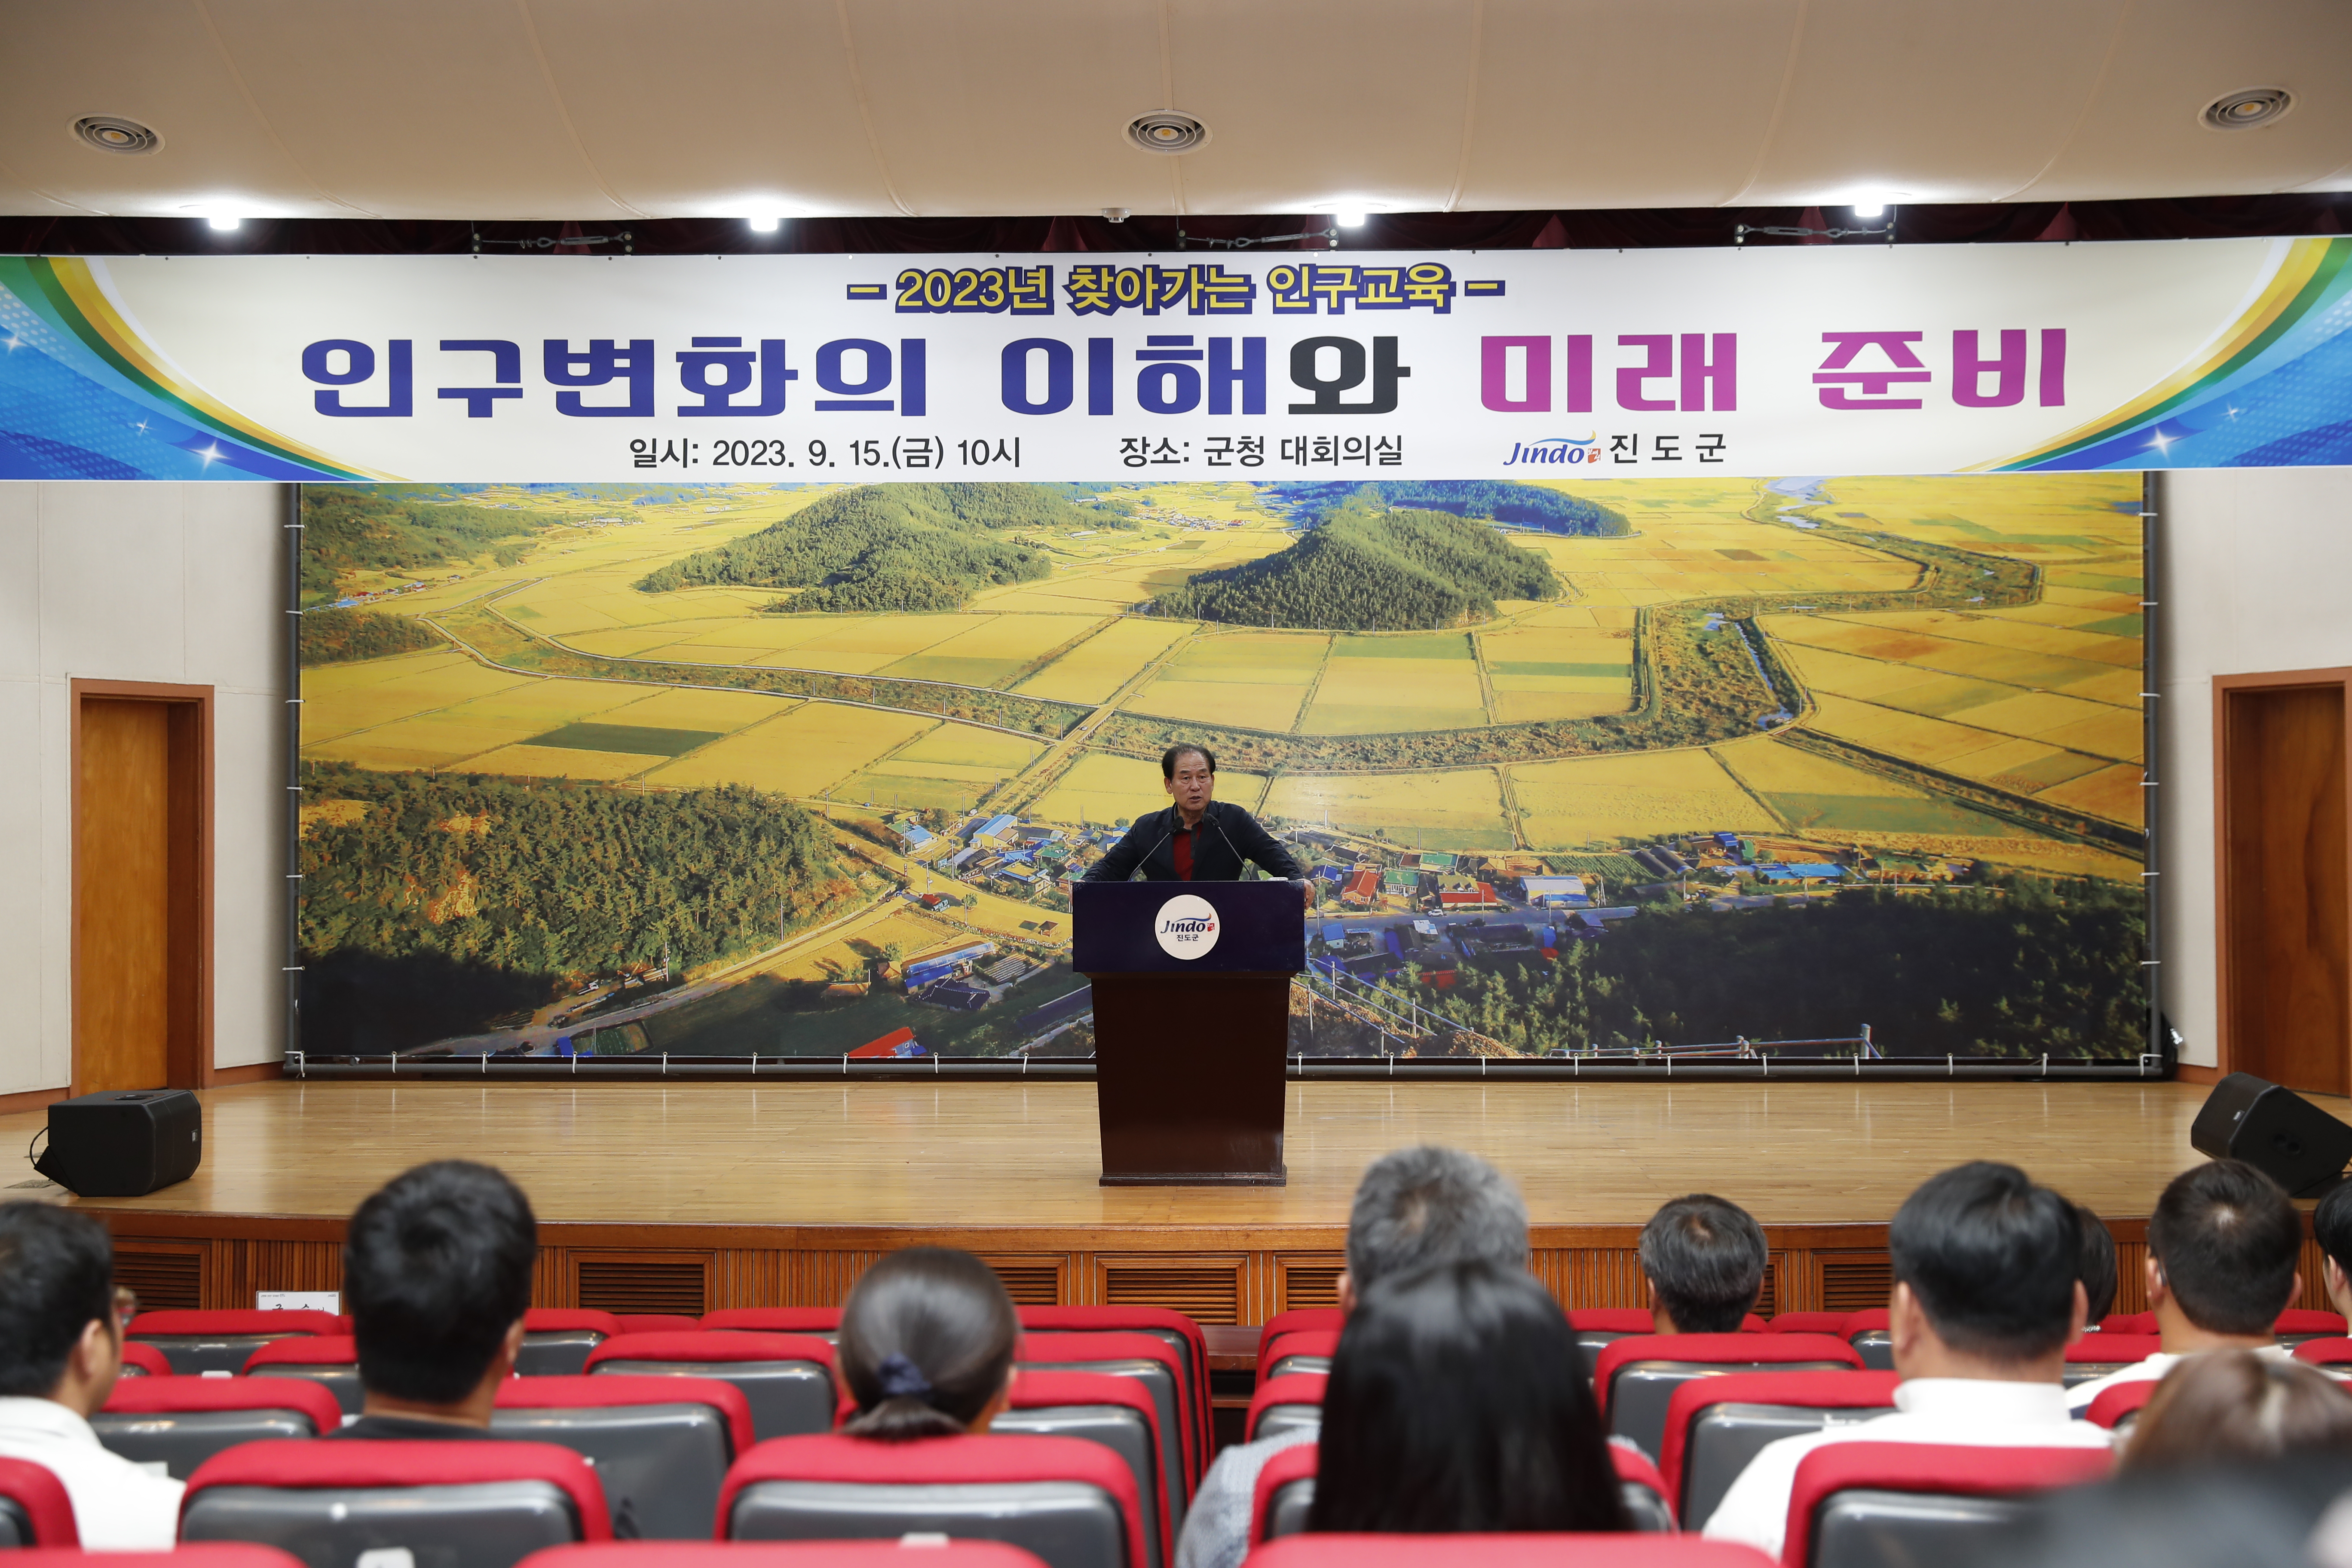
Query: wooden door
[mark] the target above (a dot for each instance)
(140, 932)
(2286, 896)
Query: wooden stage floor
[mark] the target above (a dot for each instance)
(771, 1195)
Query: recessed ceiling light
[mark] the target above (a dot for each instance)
(1869, 209)
(1349, 217)
(1167, 131)
(224, 222)
(763, 223)
(2247, 107)
(112, 134)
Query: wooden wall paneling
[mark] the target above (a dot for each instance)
(165, 1275)
(2131, 1277)
(1206, 1287)
(2284, 834)
(1592, 1275)
(641, 1281)
(1308, 1280)
(1034, 1279)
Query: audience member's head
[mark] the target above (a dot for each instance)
(927, 1344)
(1458, 1402)
(2222, 1250)
(1987, 1276)
(436, 1274)
(2098, 1264)
(58, 1337)
(2331, 1227)
(1704, 1260)
(2234, 1405)
(1420, 1208)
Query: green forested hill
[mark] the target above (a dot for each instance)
(402, 528)
(331, 635)
(887, 547)
(1530, 506)
(1365, 570)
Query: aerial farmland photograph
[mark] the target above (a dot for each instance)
(1583, 768)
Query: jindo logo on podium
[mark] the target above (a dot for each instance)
(1187, 926)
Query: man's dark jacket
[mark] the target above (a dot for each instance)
(1227, 837)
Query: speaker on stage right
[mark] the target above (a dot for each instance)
(2274, 1130)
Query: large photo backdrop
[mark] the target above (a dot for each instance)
(1580, 765)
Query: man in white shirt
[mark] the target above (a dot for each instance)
(60, 1352)
(2222, 1251)
(1986, 1300)
(1414, 1209)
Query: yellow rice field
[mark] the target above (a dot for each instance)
(1589, 800)
(1460, 808)
(1099, 666)
(803, 752)
(1099, 788)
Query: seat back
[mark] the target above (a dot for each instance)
(1635, 1378)
(787, 1378)
(187, 1555)
(1868, 1334)
(1864, 1505)
(556, 1340)
(1648, 1505)
(929, 1554)
(1506, 1552)
(1596, 1328)
(1142, 1357)
(34, 1508)
(1284, 1495)
(1285, 1403)
(180, 1422)
(816, 1322)
(2096, 1355)
(201, 1341)
(2128, 1323)
(661, 1445)
(1807, 1323)
(2297, 1324)
(140, 1359)
(2324, 1352)
(656, 1322)
(1715, 1425)
(1179, 1333)
(2118, 1409)
(1300, 1349)
(1327, 1320)
(449, 1505)
(330, 1361)
(1073, 1503)
(1116, 1412)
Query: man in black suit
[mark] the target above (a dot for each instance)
(1196, 839)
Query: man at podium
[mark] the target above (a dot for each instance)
(1196, 839)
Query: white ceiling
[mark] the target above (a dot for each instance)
(604, 110)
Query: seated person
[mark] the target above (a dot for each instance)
(2234, 1406)
(1414, 1209)
(2098, 1267)
(1987, 1298)
(60, 1352)
(437, 1273)
(2222, 1251)
(1458, 1402)
(1704, 1256)
(927, 1344)
(2331, 1227)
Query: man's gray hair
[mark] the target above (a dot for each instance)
(1422, 1208)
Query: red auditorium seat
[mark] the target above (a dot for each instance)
(1144, 1357)
(788, 1378)
(1596, 1326)
(2297, 1324)
(180, 1422)
(2116, 1408)
(1285, 1493)
(656, 1322)
(2324, 1353)
(2095, 1355)
(189, 1554)
(454, 1505)
(1118, 1413)
(1504, 1551)
(1300, 1349)
(1181, 1333)
(926, 1553)
(1635, 1378)
(1715, 1425)
(1807, 1323)
(1860, 1505)
(1321, 1320)
(330, 1361)
(143, 1360)
(1072, 1503)
(1282, 1404)
(819, 1322)
(1867, 1333)
(1647, 1503)
(2128, 1323)
(662, 1443)
(556, 1340)
(221, 1341)
(34, 1508)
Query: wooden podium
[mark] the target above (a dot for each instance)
(1192, 986)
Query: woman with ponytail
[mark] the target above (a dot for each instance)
(927, 1344)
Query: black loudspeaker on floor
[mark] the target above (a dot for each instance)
(124, 1143)
(2274, 1130)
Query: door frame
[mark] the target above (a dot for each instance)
(2224, 688)
(189, 1062)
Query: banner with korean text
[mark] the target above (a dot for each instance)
(1457, 366)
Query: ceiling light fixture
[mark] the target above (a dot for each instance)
(2247, 107)
(1114, 215)
(763, 223)
(1349, 217)
(1869, 209)
(225, 222)
(1167, 131)
(113, 133)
